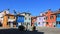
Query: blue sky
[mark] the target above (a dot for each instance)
(35, 7)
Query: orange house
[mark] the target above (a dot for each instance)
(7, 18)
(50, 19)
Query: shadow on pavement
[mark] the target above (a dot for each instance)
(16, 31)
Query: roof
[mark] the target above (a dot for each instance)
(57, 12)
(25, 13)
(13, 15)
(9, 15)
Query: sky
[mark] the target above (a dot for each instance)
(35, 7)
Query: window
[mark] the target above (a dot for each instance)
(44, 18)
(28, 23)
(29, 14)
(43, 22)
(59, 22)
(25, 18)
(46, 12)
(58, 15)
(46, 22)
(2, 17)
(25, 13)
(0, 24)
(8, 17)
(29, 18)
(39, 23)
(51, 17)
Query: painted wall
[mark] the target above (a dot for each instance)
(58, 17)
(20, 19)
(58, 21)
(41, 21)
(27, 18)
(5, 20)
(33, 21)
(1, 17)
(50, 20)
(12, 19)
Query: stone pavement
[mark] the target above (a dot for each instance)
(47, 30)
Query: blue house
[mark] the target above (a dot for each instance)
(58, 18)
(20, 20)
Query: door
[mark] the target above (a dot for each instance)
(58, 24)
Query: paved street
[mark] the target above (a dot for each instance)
(49, 30)
(41, 30)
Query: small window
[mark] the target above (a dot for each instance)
(46, 12)
(8, 17)
(28, 23)
(59, 22)
(46, 22)
(2, 16)
(25, 18)
(29, 18)
(51, 17)
(29, 14)
(44, 18)
(39, 23)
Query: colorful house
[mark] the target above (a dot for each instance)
(27, 18)
(41, 20)
(20, 20)
(5, 19)
(50, 19)
(1, 18)
(57, 13)
(33, 21)
(8, 19)
(11, 20)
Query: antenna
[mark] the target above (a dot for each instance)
(8, 9)
(14, 12)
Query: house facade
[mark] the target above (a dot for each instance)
(50, 19)
(11, 20)
(8, 20)
(57, 13)
(27, 19)
(20, 20)
(41, 20)
(1, 18)
(5, 19)
(34, 21)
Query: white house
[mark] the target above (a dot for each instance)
(27, 19)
